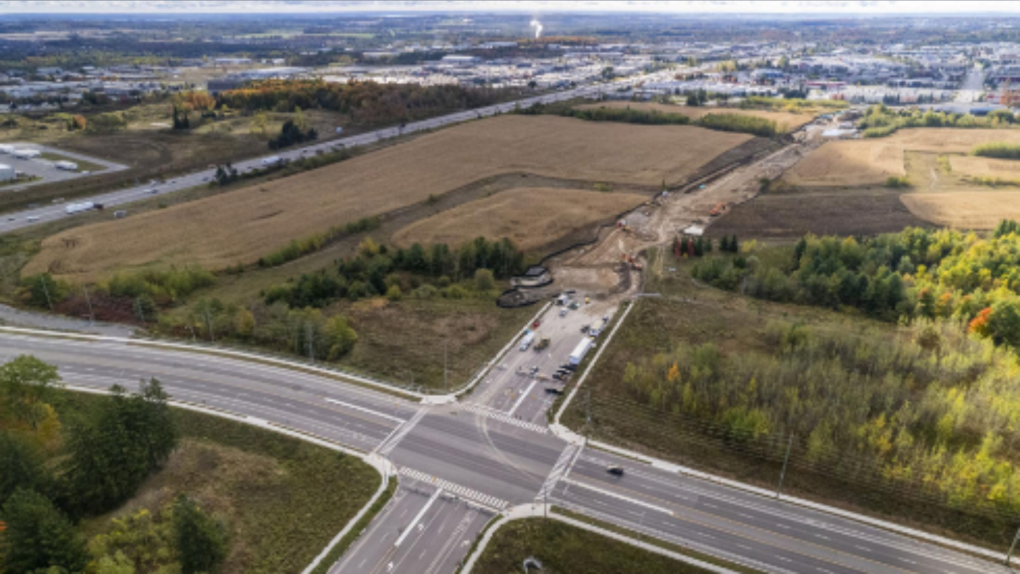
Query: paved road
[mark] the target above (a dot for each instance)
(481, 460)
(972, 87)
(26, 218)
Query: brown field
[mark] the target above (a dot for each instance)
(972, 210)
(785, 121)
(871, 161)
(984, 166)
(531, 217)
(240, 226)
(789, 216)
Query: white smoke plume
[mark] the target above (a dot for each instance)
(537, 26)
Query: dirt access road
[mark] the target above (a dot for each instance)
(600, 269)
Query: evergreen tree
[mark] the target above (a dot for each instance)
(38, 536)
(724, 244)
(21, 466)
(734, 245)
(201, 541)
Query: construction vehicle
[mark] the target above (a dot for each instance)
(718, 210)
(633, 262)
(542, 344)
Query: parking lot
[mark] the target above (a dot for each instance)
(522, 384)
(46, 170)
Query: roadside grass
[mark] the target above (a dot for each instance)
(679, 549)
(409, 339)
(83, 165)
(283, 499)
(689, 314)
(566, 549)
(352, 536)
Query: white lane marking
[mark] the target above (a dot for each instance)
(524, 395)
(620, 497)
(462, 491)
(558, 471)
(417, 518)
(364, 410)
(394, 439)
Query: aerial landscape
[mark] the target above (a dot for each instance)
(509, 286)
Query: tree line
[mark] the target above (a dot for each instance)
(880, 121)
(729, 122)
(917, 273)
(366, 102)
(59, 467)
(378, 270)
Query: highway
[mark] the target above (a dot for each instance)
(462, 463)
(29, 217)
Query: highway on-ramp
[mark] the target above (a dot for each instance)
(462, 463)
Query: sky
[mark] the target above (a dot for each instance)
(787, 7)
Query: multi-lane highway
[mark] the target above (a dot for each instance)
(462, 463)
(36, 216)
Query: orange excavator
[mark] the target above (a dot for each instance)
(718, 210)
(633, 262)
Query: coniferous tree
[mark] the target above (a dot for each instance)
(38, 536)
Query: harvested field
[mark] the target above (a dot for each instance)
(785, 121)
(972, 210)
(984, 166)
(240, 226)
(871, 161)
(792, 215)
(531, 217)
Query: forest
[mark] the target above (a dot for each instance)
(367, 103)
(59, 465)
(926, 410)
(917, 273)
(727, 122)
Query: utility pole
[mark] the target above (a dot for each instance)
(786, 460)
(208, 322)
(92, 316)
(446, 382)
(1012, 547)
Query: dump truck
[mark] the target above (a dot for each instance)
(543, 343)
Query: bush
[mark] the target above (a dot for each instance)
(999, 150)
(738, 123)
(897, 182)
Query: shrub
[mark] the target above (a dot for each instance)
(897, 182)
(999, 150)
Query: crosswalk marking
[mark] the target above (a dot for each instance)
(401, 432)
(504, 418)
(462, 491)
(561, 466)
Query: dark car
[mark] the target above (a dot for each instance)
(615, 470)
(553, 391)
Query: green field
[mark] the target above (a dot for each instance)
(566, 549)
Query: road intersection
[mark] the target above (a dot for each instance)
(461, 463)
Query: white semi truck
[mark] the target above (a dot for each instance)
(580, 351)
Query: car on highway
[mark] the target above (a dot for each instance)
(32, 218)
(563, 311)
(553, 391)
(615, 470)
(536, 324)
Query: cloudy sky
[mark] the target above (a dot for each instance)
(791, 7)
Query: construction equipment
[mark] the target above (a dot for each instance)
(633, 262)
(718, 210)
(542, 344)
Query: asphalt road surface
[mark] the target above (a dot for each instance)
(26, 218)
(460, 464)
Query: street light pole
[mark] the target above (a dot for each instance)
(786, 460)
(1012, 547)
